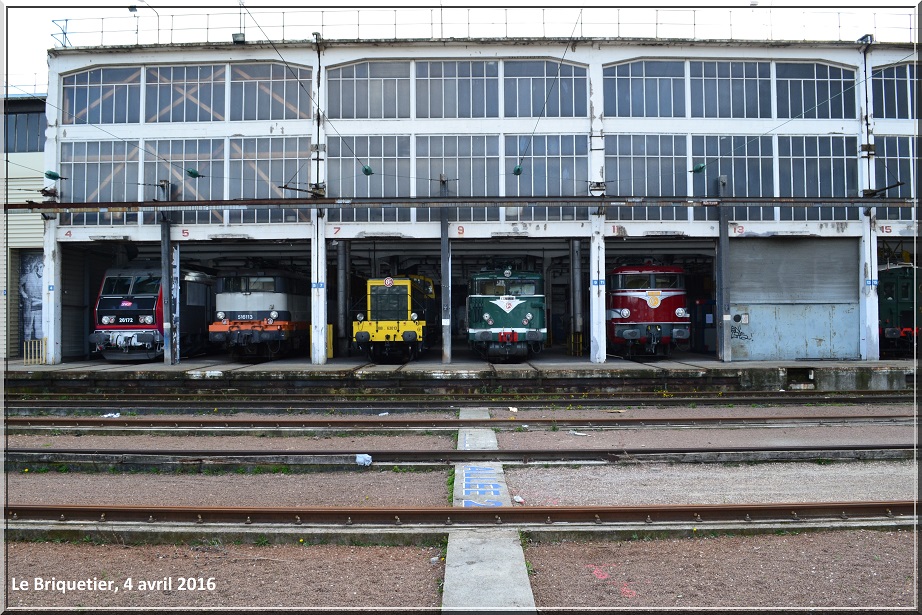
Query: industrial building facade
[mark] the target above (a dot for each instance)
(780, 175)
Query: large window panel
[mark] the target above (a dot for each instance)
(535, 88)
(893, 163)
(387, 156)
(369, 90)
(815, 91)
(552, 165)
(260, 167)
(185, 93)
(648, 88)
(730, 89)
(813, 166)
(270, 92)
(894, 92)
(746, 161)
(457, 89)
(646, 165)
(102, 96)
(470, 164)
(100, 171)
(167, 165)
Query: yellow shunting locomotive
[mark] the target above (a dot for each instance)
(397, 319)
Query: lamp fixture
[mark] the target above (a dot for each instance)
(239, 38)
(597, 188)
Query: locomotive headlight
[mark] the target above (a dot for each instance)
(107, 320)
(220, 315)
(486, 316)
(413, 316)
(147, 320)
(273, 315)
(269, 321)
(625, 312)
(681, 312)
(529, 316)
(360, 317)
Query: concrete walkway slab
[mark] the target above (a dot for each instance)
(485, 569)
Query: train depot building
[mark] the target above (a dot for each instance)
(779, 177)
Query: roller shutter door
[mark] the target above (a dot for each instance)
(794, 298)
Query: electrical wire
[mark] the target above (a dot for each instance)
(698, 168)
(320, 112)
(549, 90)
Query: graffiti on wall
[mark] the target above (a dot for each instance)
(737, 333)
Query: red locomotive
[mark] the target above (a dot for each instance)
(647, 311)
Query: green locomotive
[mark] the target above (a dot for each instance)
(506, 316)
(899, 309)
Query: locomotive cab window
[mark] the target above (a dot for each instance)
(668, 280)
(262, 284)
(522, 288)
(389, 303)
(146, 285)
(116, 286)
(634, 281)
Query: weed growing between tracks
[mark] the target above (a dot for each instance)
(450, 483)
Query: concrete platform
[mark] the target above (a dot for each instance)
(552, 370)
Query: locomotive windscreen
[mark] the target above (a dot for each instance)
(389, 303)
(248, 284)
(124, 285)
(504, 286)
(638, 281)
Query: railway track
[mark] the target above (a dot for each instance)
(814, 512)
(20, 459)
(229, 401)
(295, 426)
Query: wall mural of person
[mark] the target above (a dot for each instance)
(31, 291)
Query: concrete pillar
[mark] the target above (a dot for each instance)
(868, 307)
(170, 289)
(576, 292)
(53, 302)
(446, 289)
(597, 343)
(723, 295)
(318, 288)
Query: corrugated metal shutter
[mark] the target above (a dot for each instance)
(25, 230)
(11, 322)
(794, 270)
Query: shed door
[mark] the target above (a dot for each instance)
(794, 298)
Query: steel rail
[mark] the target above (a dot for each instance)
(214, 456)
(447, 516)
(13, 424)
(410, 399)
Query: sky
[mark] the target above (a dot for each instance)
(30, 30)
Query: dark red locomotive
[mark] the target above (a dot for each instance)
(647, 310)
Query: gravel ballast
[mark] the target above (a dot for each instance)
(713, 483)
(860, 569)
(369, 488)
(243, 576)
